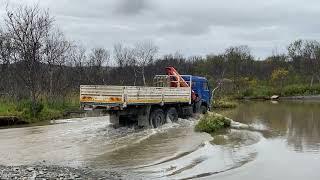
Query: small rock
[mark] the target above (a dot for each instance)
(16, 169)
(275, 97)
(30, 169)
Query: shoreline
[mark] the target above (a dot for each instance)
(302, 97)
(16, 121)
(11, 121)
(54, 172)
(308, 97)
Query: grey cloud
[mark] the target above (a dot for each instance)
(131, 7)
(189, 26)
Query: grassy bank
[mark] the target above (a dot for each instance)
(211, 123)
(44, 109)
(265, 92)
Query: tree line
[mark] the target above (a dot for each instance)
(37, 61)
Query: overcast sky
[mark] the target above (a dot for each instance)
(191, 27)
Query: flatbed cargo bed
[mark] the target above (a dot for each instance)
(123, 96)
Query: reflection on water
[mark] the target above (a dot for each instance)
(297, 122)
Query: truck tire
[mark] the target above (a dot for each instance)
(172, 114)
(157, 118)
(203, 109)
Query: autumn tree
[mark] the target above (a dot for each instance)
(237, 57)
(279, 76)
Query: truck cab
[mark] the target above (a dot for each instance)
(200, 87)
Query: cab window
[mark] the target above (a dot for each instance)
(205, 86)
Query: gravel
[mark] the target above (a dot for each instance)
(53, 172)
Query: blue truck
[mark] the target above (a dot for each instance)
(171, 96)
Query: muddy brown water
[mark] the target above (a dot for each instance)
(283, 142)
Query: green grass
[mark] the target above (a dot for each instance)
(259, 92)
(8, 108)
(224, 104)
(211, 123)
(297, 90)
(44, 109)
(263, 92)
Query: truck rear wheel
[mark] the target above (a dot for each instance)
(172, 114)
(157, 118)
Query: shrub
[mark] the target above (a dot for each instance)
(258, 92)
(7, 108)
(43, 110)
(223, 104)
(28, 111)
(211, 123)
(295, 90)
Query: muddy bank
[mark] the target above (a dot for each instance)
(315, 98)
(15, 121)
(53, 172)
(11, 121)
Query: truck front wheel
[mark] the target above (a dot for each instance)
(203, 109)
(157, 118)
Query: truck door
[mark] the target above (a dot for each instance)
(206, 92)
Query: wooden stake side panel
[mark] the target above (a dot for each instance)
(134, 94)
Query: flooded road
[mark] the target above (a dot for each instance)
(282, 142)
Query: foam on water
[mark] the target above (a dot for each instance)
(208, 158)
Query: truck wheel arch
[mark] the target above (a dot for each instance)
(171, 114)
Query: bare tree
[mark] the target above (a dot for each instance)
(27, 29)
(78, 58)
(99, 57)
(144, 53)
(5, 61)
(122, 55)
(305, 56)
(55, 52)
(124, 58)
(97, 60)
